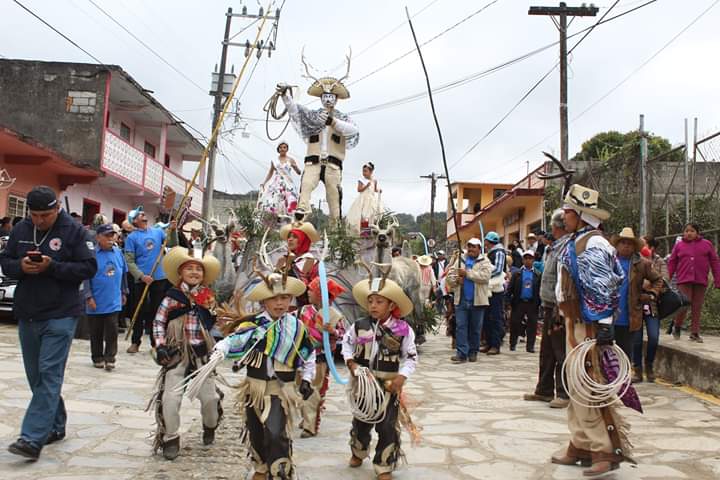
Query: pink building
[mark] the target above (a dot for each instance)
(110, 144)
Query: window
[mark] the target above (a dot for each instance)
(150, 149)
(90, 208)
(167, 160)
(16, 206)
(125, 131)
(498, 192)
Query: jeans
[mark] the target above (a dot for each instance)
(494, 327)
(468, 323)
(653, 332)
(45, 348)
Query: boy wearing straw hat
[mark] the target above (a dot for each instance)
(180, 331)
(274, 345)
(384, 344)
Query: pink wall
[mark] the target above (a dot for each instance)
(91, 191)
(27, 177)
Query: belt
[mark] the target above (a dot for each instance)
(315, 159)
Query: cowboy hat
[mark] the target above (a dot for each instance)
(385, 288)
(425, 260)
(178, 256)
(305, 227)
(272, 286)
(627, 234)
(328, 85)
(585, 200)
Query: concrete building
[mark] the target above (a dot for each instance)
(224, 202)
(513, 211)
(94, 134)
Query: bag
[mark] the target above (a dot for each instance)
(670, 302)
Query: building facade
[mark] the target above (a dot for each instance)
(110, 144)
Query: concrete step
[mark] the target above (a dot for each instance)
(690, 363)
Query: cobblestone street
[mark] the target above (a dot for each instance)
(475, 425)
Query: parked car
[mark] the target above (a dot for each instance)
(7, 287)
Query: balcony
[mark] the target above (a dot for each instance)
(132, 165)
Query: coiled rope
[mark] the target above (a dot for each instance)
(367, 398)
(581, 386)
(270, 109)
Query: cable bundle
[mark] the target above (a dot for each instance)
(366, 397)
(580, 385)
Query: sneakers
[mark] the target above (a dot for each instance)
(493, 351)
(24, 449)
(133, 348)
(534, 397)
(99, 364)
(456, 359)
(558, 402)
(54, 437)
(472, 357)
(695, 337)
(171, 448)
(208, 435)
(109, 366)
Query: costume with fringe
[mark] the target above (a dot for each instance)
(387, 350)
(589, 278)
(273, 351)
(182, 324)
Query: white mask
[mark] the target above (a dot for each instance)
(328, 100)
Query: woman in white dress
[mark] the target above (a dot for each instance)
(279, 195)
(367, 207)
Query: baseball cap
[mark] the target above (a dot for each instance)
(492, 237)
(41, 198)
(135, 212)
(475, 241)
(105, 229)
(529, 253)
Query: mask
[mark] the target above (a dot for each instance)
(328, 100)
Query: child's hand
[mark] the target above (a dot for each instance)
(396, 384)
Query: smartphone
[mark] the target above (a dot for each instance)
(35, 256)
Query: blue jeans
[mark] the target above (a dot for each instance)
(494, 326)
(45, 348)
(468, 323)
(653, 332)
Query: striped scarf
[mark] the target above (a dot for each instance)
(284, 339)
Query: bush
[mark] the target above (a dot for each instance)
(710, 319)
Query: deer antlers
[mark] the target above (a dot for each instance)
(307, 69)
(347, 72)
(311, 77)
(565, 173)
(384, 271)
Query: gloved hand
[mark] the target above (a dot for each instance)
(324, 115)
(305, 389)
(281, 88)
(222, 347)
(605, 334)
(163, 355)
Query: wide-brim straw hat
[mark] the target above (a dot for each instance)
(179, 256)
(626, 233)
(328, 85)
(306, 227)
(425, 260)
(273, 286)
(390, 290)
(583, 199)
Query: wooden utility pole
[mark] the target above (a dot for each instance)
(687, 173)
(563, 12)
(644, 180)
(434, 177)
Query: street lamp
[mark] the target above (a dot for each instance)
(414, 235)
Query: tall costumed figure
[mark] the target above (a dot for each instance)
(328, 133)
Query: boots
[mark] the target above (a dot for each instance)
(355, 462)
(649, 373)
(171, 448)
(637, 375)
(602, 463)
(208, 435)
(572, 456)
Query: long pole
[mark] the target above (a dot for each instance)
(694, 161)
(201, 165)
(207, 209)
(563, 89)
(687, 174)
(645, 178)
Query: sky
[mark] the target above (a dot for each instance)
(679, 82)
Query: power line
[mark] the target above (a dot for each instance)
(58, 32)
(147, 47)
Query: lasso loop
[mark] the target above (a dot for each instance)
(326, 318)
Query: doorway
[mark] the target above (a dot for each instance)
(90, 208)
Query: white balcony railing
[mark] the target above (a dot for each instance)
(132, 165)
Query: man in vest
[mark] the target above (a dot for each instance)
(588, 284)
(328, 134)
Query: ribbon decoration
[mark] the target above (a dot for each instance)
(326, 318)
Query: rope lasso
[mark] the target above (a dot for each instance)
(367, 398)
(580, 385)
(270, 109)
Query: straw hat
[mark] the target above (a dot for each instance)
(305, 227)
(328, 85)
(178, 256)
(273, 285)
(627, 234)
(385, 288)
(583, 199)
(425, 260)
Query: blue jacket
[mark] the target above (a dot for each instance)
(55, 292)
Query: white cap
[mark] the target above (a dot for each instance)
(475, 241)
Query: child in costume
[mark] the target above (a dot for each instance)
(273, 345)
(311, 316)
(304, 266)
(183, 343)
(384, 344)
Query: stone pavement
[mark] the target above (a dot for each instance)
(475, 425)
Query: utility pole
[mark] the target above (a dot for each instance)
(219, 88)
(562, 12)
(645, 180)
(687, 174)
(434, 177)
(694, 163)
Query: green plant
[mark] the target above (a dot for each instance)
(342, 246)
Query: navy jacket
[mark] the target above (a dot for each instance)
(515, 288)
(55, 292)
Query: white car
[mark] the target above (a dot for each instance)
(7, 287)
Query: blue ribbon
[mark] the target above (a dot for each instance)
(326, 318)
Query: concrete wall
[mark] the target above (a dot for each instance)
(94, 192)
(59, 105)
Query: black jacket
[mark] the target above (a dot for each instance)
(55, 292)
(515, 288)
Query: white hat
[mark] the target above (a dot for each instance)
(529, 252)
(475, 241)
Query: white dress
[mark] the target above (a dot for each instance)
(280, 196)
(366, 209)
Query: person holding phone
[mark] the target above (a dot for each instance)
(48, 253)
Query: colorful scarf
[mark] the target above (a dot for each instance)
(611, 367)
(284, 340)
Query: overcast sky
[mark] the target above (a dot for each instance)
(682, 81)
